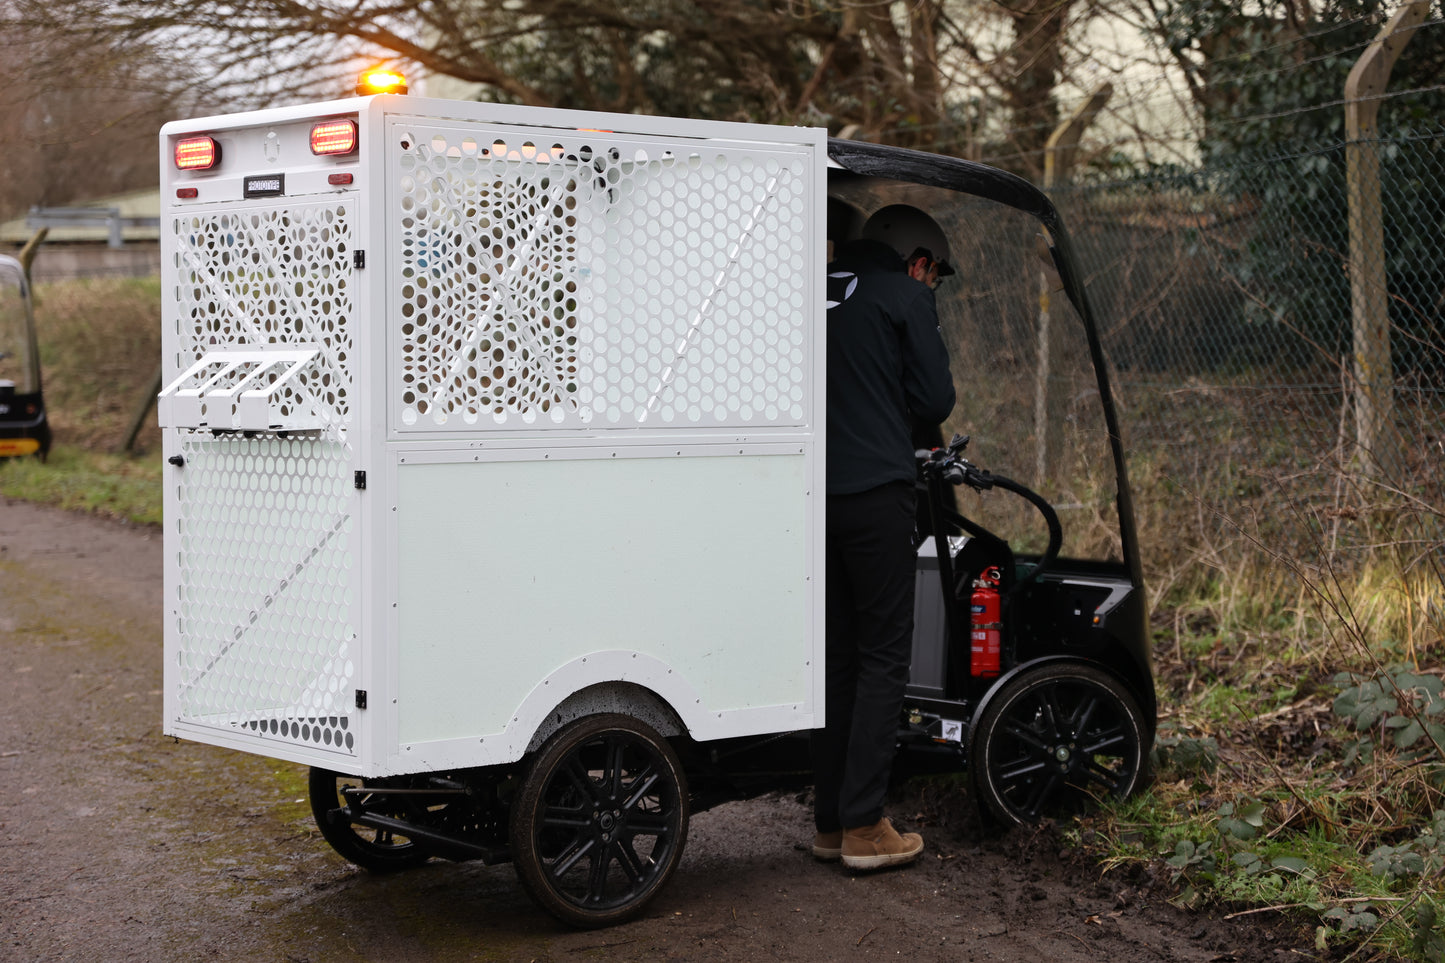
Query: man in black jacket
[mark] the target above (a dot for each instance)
(887, 366)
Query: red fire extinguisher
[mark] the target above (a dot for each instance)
(987, 625)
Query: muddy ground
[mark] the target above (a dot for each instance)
(122, 844)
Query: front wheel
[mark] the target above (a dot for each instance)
(1055, 739)
(599, 823)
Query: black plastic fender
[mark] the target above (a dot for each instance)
(1020, 669)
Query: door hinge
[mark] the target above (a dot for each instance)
(359, 480)
(358, 259)
(361, 698)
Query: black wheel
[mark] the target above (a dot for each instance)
(600, 821)
(377, 850)
(1055, 739)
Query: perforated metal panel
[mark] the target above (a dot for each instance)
(266, 610)
(587, 279)
(265, 597)
(271, 276)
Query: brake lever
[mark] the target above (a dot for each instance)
(961, 471)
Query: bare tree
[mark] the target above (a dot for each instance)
(80, 115)
(910, 72)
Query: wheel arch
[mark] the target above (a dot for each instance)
(1145, 700)
(624, 698)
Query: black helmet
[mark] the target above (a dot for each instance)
(911, 233)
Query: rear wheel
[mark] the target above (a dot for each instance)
(1055, 739)
(600, 822)
(377, 850)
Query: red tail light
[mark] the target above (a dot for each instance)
(197, 153)
(334, 137)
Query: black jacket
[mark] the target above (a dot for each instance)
(886, 366)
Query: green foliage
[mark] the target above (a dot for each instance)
(1194, 859)
(1185, 755)
(1396, 710)
(1357, 850)
(1263, 277)
(1396, 862)
(1274, 144)
(1242, 822)
(1427, 943)
(1360, 916)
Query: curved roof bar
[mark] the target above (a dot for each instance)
(990, 183)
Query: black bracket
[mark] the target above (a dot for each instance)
(361, 698)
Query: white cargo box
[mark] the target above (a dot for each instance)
(504, 405)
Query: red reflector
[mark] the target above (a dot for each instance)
(186, 193)
(334, 137)
(197, 153)
(338, 179)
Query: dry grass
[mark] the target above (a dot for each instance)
(1300, 644)
(100, 347)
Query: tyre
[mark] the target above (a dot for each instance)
(1055, 739)
(599, 823)
(376, 850)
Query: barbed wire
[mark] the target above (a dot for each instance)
(1153, 95)
(1246, 55)
(1132, 140)
(1116, 108)
(1243, 79)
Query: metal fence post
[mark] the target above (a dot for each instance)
(1369, 297)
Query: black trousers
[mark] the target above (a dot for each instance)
(870, 572)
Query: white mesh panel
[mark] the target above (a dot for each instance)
(583, 280)
(272, 276)
(265, 601)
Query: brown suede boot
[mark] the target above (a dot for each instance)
(828, 846)
(879, 845)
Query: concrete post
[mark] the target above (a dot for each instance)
(1059, 154)
(1369, 298)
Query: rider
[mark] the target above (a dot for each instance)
(887, 367)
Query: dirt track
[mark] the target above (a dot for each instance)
(122, 844)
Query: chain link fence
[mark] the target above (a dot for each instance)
(1226, 296)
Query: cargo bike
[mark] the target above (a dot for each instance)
(495, 481)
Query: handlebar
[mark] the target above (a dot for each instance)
(948, 465)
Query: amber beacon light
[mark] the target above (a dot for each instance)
(381, 81)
